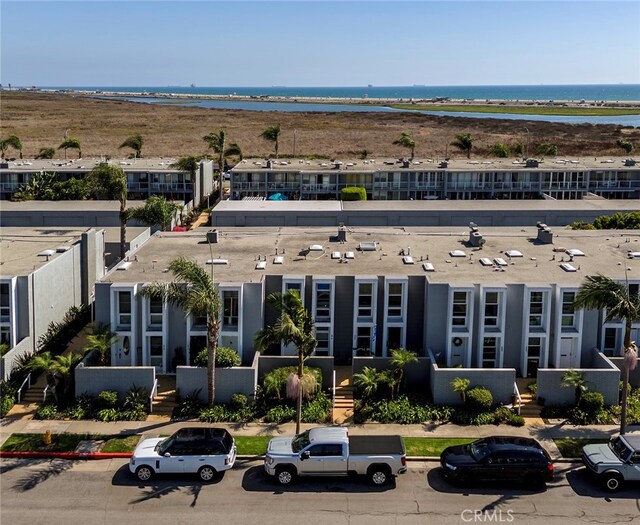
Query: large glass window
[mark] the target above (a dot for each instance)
(534, 351)
(5, 335)
(230, 309)
(365, 299)
(293, 286)
(364, 338)
(535, 308)
(568, 312)
(323, 302)
(124, 308)
(322, 336)
(155, 311)
(491, 309)
(5, 307)
(155, 352)
(459, 309)
(394, 304)
(489, 352)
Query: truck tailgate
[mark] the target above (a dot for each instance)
(376, 445)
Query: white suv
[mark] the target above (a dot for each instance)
(202, 451)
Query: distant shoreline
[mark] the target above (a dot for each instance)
(409, 104)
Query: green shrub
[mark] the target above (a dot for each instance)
(225, 357)
(532, 388)
(591, 402)
(190, 406)
(479, 399)
(516, 421)
(108, 415)
(239, 400)
(353, 193)
(7, 397)
(547, 149)
(280, 414)
(318, 410)
(404, 410)
(76, 412)
(214, 414)
(136, 398)
(46, 411)
(582, 225)
(108, 398)
(500, 150)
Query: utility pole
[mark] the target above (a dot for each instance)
(294, 143)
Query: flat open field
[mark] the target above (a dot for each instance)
(523, 109)
(40, 120)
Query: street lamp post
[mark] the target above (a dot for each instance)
(527, 147)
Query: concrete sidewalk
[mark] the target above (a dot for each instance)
(544, 433)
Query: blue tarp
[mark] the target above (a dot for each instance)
(277, 197)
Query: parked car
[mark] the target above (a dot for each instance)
(508, 459)
(202, 451)
(614, 463)
(330, 451)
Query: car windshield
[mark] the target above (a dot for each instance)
(479, 450)
(620, 449)
(164, 445)
(300, 441)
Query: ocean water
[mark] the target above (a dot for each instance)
(610, 92)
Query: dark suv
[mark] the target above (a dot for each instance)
(508, 459)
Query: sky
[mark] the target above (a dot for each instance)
(306, 43)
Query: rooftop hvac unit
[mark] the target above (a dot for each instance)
(545, 235)
(532, 163)
(342, 234)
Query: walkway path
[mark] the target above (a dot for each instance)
(343, 405)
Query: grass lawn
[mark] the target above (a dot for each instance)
(522, 110)
(121, 444)
(252, 445)
(34, 442)
(419, 446)
(572, 447)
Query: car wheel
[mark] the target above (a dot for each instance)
(379, 476)
(533, 481)
(612, 481)
(285, 475)
(206, 473)
(144, 473)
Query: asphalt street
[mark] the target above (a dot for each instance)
(103, 492)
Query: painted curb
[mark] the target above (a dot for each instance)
(66, 455)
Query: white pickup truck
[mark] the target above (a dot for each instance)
(330, 451)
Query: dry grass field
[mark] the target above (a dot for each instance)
(40, 120)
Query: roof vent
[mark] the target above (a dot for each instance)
(475, 237)
(629, 162)
(457, 253)
(124, 266)
(261, 265)
(278, 260)
(545, 235)
(513, 253)
(405, 163)
(443, 164)
(574, 252)
(407, 259)
(567, 267)
(532, 163)
(212, 236)
(315, 248)
(342, 233)
(428, 267)
(268, 163)
(217, 261)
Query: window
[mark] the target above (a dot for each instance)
(124, 308)
(394, 305)
(199, 322)
(534, 351)
(489, 352)
(491, 309)
(568, 312)
(230, 309)
(365, 299)
(535, 309)
(610, 337)
(364, 337)
(293, 286)
(459, 309)
(322, 336)
(323, 302)
(155, 311)
(5, 335)
(5, 307)
(155, 352)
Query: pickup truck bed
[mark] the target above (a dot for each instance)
(376, 445)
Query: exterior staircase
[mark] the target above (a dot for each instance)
(165, 400)
(343, 404)
(530, 409)
(203, 218)
(30, 401)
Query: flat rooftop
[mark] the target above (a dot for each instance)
(61, 206)
(241, 248)
(19, 247)
(429, 164)
(426, 205)
(87, 164)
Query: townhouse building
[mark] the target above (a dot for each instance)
(145, 177)
(473, 297)
(427, 179)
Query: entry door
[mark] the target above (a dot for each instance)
(568, 353)
(335, 459)
(458, 351)
(315, 462)
(175, 463)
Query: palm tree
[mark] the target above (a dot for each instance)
(574, 379)
(464, 142)
(110, 182)
(135, 143)
(70, 143)
(63, 369)
(401, 358)
(217, 142)
(189, 164)
(43, 362)
(46, 153)
(197, 294)
(272, 134)
(101, 341)
(293, 326)
(367, 381)
(598, 292)
(13, 141)
(406, 141)
(461, 385)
